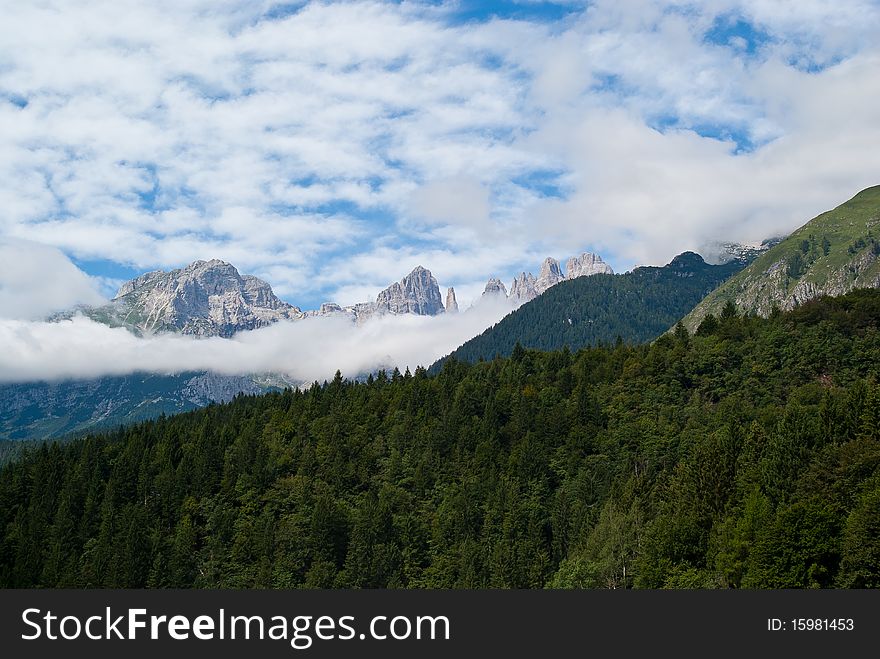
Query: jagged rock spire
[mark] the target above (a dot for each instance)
(451, 302)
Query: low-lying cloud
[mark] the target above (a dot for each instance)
(304, 351)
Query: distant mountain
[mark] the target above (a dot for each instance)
(451, 302)
(211, 298)
(52, 409)
(636, 306)
(526, 287)
(206, 298)
(831, 254)
(417, 293)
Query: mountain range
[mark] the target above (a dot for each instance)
(526, 287)
(583, 305)
(211, 298)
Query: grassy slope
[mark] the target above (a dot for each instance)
(766, 281)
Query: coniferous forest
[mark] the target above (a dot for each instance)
(744, 456)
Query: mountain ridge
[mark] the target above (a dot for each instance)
(636, 306)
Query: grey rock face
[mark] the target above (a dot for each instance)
(206, 387)
(206, 298)
(523, 289)
(775, 288)
(585, 265)
(550, 275)
(451, 302)
(495, 287)
(417, 293)
(860, 272)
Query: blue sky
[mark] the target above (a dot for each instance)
(331, 147)
(547, 12)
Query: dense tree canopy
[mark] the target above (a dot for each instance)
(745, 456)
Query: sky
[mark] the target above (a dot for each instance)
(330, 147)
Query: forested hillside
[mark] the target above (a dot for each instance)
(637, 306)
(747, 455)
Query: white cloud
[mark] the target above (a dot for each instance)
(457, 200)
(311, 147)
(306, 350)
(655, 194)
(36, 280)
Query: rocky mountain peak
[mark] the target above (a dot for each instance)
(417, 293)
(329, 308)
(551, 274)
(206, 298)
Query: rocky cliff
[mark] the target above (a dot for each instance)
(523, 289)
(551, 274)
(495, 287)
(418, 293)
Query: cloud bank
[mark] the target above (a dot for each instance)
(304, 351)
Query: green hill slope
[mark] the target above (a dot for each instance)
(636, 306)
(831, 254)
(745, 457)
